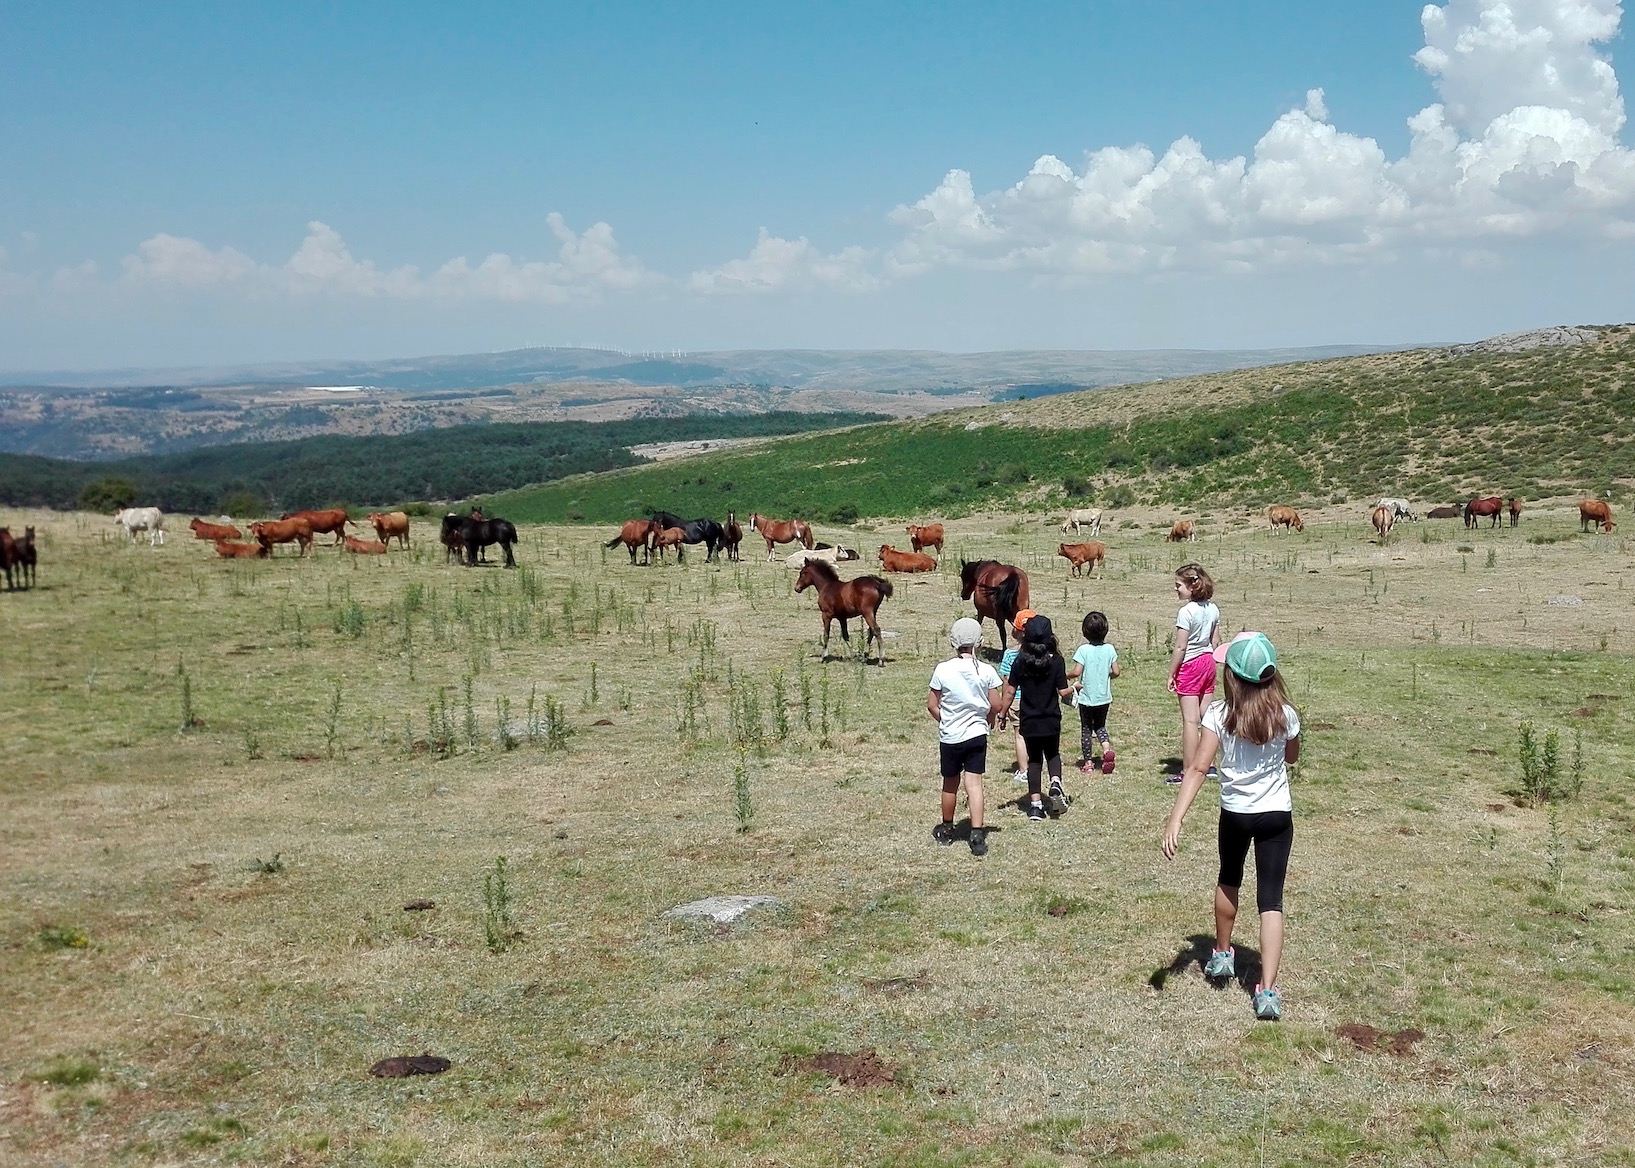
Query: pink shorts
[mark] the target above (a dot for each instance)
(1197, 677)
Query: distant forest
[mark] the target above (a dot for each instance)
(373, 471)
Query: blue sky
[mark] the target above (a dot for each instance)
(214, 183)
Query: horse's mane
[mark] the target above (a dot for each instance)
(969, 568)
(822, 569)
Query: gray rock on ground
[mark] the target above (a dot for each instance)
(723, 910)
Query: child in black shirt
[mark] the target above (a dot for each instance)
(1039, 678)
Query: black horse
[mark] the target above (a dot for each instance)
(477, 533)
(705, 531)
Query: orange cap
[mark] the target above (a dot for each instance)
(1022, 619)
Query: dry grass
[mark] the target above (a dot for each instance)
(1041, 1006)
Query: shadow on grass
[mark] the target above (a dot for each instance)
(1196, 951)
(1170, 765)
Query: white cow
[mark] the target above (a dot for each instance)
(1400, 508)
(829, 555)
(1084, 519)
(148, 519)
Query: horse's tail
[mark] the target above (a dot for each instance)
(883, 585)
(1004, 596)
(615, 541)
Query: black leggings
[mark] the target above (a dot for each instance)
(1044, 752)
(1273, 835)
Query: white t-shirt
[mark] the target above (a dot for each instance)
(964, 684)
(1253, 778)
(1198, 620)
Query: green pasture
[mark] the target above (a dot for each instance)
(1430, 425)
(220, 784)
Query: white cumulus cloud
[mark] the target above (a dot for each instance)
(775, 263)
(178, 262)
(1523, 142)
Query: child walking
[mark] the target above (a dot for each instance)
(1005, 662)
(1257, 733)
(1192, 667)
(963, 701)
(1095, 664)
(1039, 677)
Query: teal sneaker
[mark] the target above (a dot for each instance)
(1268, 1004)
(1220, 966)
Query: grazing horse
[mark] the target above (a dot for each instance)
(705, 531)
(776, 531)
(1477, 508)
(929, 535)
(636, 533)
(1596, 512)
(999, 591)
(1384, 519)
(732, 534)
(670, 537)
(1513, 505)
(841, 601)
(477, 533)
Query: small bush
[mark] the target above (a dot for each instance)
(67, 1071)
(63, 937)
(349, 620)
(1541, 778)
(844, 513)
(498, 929)
(1078, 487)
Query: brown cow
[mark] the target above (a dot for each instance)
(929, 535)
(390, 523)
(1384, 518)
(271, 531)
(636, 533)
(1594, 511)
(1285, 517)
(214, 531)
(240, 551)
(1092, 552)
(893, 560)
(364, 547)
(1185, 530)
(671, 537)
(330, 522)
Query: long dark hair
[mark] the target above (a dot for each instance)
(1036, 658)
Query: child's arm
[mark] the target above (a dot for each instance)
(1003, 709)
(1075, 669)
(1191, 782)
(933, 704)
(1291, 750)
(1114, 670)
(1178, 657)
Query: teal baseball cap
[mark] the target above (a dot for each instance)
(1249, 655)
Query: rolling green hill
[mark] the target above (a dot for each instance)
(1429, 424)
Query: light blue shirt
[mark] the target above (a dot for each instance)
(1097, 678)
(1007, 661)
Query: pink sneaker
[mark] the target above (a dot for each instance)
(1106, 762)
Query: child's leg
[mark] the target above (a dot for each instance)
(1232, 839)
(1087, 735)
(1191, 714)
(974, 799)
(1274, 839)
(950, 798)
(1021, 752)
(1226, 915)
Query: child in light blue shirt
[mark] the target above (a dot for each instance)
(1095, 664)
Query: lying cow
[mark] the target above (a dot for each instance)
(364, 547)
(214, 531)
(1092, 553)
(148, 519)
(1184, 531)
(928, 535)
(893, 560)
(240, 551)
(1444, 513)
(1597, 512)
(1082, 519)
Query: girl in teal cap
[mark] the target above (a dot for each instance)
(1257, 734)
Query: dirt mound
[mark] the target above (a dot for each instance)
(415, 1064)
(1365, 1037)
(863, 1069)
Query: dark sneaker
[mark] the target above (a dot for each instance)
(1174, 780)
(943, 833)
(1036, 811)
(979, 841)
(1056, 801)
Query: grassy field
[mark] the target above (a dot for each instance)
(1435, 425)
(223, 782)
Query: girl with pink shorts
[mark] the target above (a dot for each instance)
(1192, 667)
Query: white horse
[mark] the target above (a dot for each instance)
(148, 519)
(1400, 508)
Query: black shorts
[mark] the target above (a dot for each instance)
(1043, 747)
(1094, 718)
(1272, 833)
(969, 757)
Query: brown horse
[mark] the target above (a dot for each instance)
(636, 533)
(733, 533)
(9, 556)
(1513, 505)
(27, 557)
(842, 600)
(776, 531)
(999, 591)
(1477, 508)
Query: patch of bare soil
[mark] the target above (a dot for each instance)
(415, 1064)
(863, 1069)
(895, 986)
(1366, 1037)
